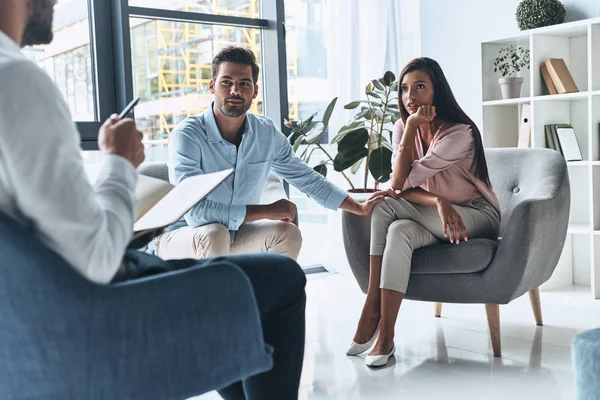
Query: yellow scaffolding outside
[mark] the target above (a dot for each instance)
(185, 51)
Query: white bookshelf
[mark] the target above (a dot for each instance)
(578, 43)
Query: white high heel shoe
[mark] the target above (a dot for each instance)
(357, 348)
(380, 360)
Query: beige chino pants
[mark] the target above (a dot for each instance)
(215, 240)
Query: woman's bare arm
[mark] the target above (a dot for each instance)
(405, 157)
(421, 197)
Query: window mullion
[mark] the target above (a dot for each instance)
(274, 62)
(122, 63)
(103, 77)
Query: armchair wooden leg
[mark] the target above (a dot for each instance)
(534, 298)
(438, 310)
(493, 317)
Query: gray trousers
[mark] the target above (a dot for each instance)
(399, 227)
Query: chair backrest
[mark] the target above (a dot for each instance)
(518, 175)
(157, 170)
(273, 191)
(19, 248)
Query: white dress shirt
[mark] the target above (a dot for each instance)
(43, 183)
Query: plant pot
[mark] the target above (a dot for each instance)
(361, 195)
(510, 87)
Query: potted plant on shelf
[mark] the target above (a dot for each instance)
(511, 59)
(537, 13)
(363, 138)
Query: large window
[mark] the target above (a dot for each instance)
(237, 8)
(307, 93)
(68, 58)
(159, 50)
(171, 66)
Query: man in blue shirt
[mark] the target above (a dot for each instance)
(230, 219)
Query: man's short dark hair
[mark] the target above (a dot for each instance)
(238, 55)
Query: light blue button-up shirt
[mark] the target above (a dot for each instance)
(196, 147)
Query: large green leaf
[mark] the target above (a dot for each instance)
(380, 164)
(345, 159)
(374, 94)
(342, 133)
(354, 140)
(353, 124)
(395, 86)
(386, 143)
(328, 112)
(321, 168)
(363, 114)
(352, 105)
(306, 123)
(298, 142)
(389, 78)
(356, 166)
(315, 133)
(377, 84)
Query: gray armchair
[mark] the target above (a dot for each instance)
(533, 189)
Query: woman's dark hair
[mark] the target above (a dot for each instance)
(238, 55)
(446, 107)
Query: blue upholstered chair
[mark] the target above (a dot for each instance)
(586, 364)
(171, 336)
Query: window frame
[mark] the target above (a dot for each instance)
(112, 74)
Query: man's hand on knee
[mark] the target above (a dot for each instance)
(282, 210)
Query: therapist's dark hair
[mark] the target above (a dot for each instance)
(238, 55)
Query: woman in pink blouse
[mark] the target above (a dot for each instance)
(440, 193)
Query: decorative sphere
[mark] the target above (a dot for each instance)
(537, 13)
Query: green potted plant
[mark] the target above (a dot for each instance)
(309, 132)
(363, 139)
(537, 13)
(509, 62)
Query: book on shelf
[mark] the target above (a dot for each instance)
(561, 77)
(552, 138)
(159, 203)
(547, 79)
(568, 142)
(562, 138)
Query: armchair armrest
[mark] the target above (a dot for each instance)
(180, 334)
(170, 336)
(532, 243)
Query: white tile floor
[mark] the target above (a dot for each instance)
(447, 358)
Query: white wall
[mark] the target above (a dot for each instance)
(452, 32)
